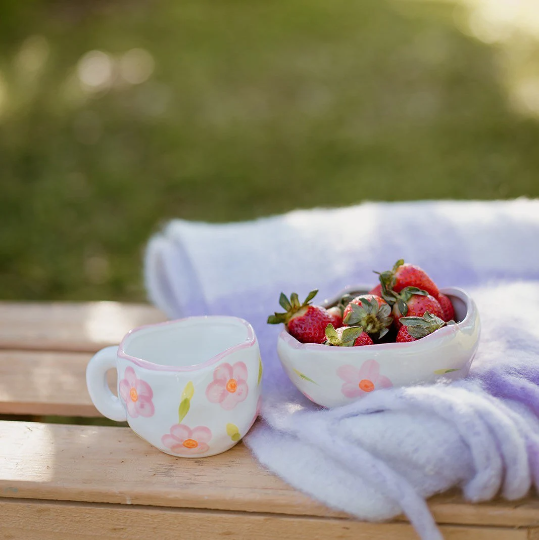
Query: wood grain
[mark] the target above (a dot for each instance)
(46, 383)
(113, 465)
(34, 520)
(59, 326)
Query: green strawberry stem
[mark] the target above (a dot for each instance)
(291, 306)
(420, 327)
(347, 338)
(369, 315)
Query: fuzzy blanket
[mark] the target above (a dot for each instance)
(388, 452)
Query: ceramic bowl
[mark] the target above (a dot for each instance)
(335, 376)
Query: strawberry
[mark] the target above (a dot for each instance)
(415, 302)
(349, 336)
(406, 275)
(335, 313)
(447, 307)
(357, 300)
(307, 323)
(371, 313)
(414, 328)
(377, 290)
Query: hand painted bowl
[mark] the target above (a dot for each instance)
(335, 376)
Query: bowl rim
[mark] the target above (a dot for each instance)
(446, 331)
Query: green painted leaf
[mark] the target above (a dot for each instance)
(185, 405)
(304, 377)
(443, 371)
(188, 392)
(233, 432)
(260, 370)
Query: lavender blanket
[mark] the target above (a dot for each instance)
(388, 452)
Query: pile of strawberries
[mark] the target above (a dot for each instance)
(405, 306)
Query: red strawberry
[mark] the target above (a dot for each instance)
(336, 316)
(407, 275)
(357, 301)
(307, 323)
(447, 308)
(415, 302)
(347, 336)
(377, 290)
(371, 313)
(404, 336)
(414, 328)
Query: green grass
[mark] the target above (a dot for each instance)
(253, 108)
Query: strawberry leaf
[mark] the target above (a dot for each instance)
(414, 290)
(402, 306)
(310, 296)
(294, 300)
(351, 334)
(284, 302)
(277, 318)
(331, 332)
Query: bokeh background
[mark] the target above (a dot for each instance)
(116, 116)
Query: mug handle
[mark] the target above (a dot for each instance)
(104, 400)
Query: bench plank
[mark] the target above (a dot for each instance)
(46, 383)
(33, 520)
(103, 465)
(66, 326)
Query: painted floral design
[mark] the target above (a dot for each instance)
(360, 381)
(186, 441)
(229, 385)
(137, 395)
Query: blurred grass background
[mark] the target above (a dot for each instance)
(117, 116)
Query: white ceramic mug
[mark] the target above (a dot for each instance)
(189, 387)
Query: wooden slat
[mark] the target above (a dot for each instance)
(46, 383)
(70, 327)
(34, 520)
(113, 465)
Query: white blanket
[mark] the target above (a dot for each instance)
(385, 454)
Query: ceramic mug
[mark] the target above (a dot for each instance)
(189, 387)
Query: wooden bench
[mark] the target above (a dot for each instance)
(60, 481)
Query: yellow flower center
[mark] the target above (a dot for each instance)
(190, 443)
(133, 394)
(232, 385)
(366, 385)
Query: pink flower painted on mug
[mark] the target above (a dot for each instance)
(361, 381)
(137, 394)
(229, 385)
(186, 441)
